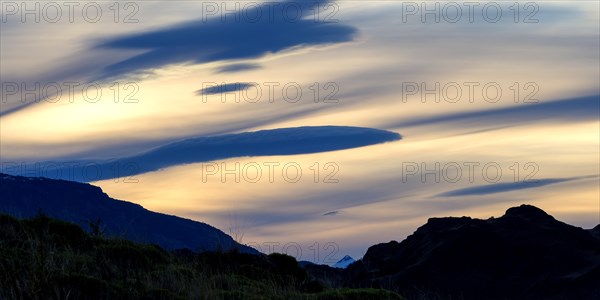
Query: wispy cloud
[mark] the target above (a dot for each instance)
(237, 68)
(218, 39)
(333, 213)
(508, 187)
(577, 109)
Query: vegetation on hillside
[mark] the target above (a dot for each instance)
(45, 258)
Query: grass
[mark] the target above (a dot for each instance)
(44, 258)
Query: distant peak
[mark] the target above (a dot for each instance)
(344, 262)
(347, 257)
(528, 212)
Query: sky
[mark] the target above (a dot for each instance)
(396, 111)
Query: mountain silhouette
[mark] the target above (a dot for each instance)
(596, 231)
(344, 262)
(525, 254)
(85, 204)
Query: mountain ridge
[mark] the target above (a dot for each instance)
(82, 203)
(525, 254)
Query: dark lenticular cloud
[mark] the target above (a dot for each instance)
(238, 36)
(224, 88)
(281, 141)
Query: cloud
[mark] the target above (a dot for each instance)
(282, 141)
(507, 187)
(224, 88)
(308, 206)
(228, 37)
(237, 68)
(332, 213)
(576, 109)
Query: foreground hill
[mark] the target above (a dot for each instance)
(86, 205)
(525, 254)
(45, 258)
